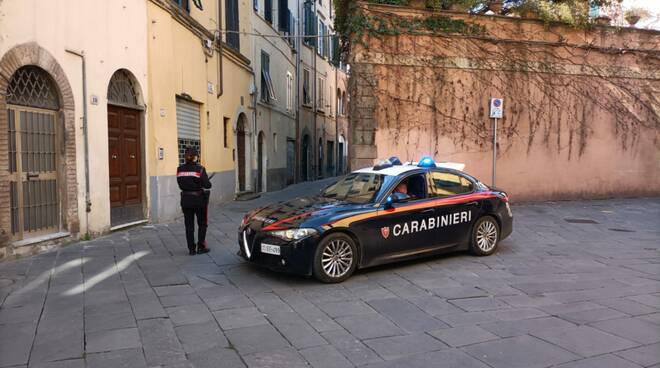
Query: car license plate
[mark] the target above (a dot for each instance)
(270, 249)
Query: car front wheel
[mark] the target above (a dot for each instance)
(485, 236)
(335, 259)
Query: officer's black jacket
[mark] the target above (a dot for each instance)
(192, 180)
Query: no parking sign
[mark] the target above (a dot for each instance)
(496, 108)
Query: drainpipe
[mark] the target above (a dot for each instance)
(88, 202)
(218, 40)
(255, 101)
(298, 55)
(315, 102)
(336, 119)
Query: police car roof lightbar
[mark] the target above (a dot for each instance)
(395, 161)
(384, 164)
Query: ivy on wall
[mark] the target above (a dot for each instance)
(556, 90)
(353, 25)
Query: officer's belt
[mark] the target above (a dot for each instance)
(193, 193)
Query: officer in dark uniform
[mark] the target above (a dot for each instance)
(193, 181)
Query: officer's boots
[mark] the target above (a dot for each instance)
(202, 248)
(191, 251)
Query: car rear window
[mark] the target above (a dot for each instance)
(445, 184)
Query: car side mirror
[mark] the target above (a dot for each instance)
(396, 197)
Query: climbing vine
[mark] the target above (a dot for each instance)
(424, 79)
(353, 25)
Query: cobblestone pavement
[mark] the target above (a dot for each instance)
(558, 293)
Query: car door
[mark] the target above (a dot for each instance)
(456, 208)
(396, 232)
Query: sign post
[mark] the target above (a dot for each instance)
(496, 112)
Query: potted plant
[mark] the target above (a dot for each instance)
(634, 15)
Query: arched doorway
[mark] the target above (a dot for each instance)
(125, 149)
(241, 128)
(261, 166)
(35, 135)
(304, 158)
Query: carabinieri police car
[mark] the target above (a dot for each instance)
(378, 215)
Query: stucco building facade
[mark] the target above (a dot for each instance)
(321, 126)
(99, 100)
(200, 80)
(58, 85)
(273, 55)
(581, 114)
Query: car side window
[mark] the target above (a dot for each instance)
(413, 185)
(444, 184)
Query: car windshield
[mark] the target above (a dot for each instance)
(357, 187)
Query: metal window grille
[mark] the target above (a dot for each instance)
(121, 89)
(186, 143)
(32, 86)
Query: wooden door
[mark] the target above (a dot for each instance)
(125, 165)
(240, 143)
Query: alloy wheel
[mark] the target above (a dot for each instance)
(486, 236)
(337, 258)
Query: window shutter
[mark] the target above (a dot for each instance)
(187, 126)
(283, 15)
(187, 119)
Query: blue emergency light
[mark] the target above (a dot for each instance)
(426, 161)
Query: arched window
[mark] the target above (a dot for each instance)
(121, 89)
(32, 86)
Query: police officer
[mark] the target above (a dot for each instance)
(193, 181)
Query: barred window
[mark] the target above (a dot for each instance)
(33, 86)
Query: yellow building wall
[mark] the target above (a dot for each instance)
(178, 64)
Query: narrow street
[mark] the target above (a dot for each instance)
(576, 285)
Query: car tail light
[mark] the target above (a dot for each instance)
(505, 197)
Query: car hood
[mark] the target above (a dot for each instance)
(302, 211)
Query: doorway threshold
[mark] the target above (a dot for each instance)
(129, 224)
(41, 239)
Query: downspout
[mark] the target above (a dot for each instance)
(314, 104)
(253, 141)
(218, 35)
(88, 203)
(298, 55)
(336, 120)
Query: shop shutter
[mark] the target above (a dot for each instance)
(187, 126)
(187, 119)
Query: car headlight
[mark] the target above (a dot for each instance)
(293, 234)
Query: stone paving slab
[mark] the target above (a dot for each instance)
(555, 294)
